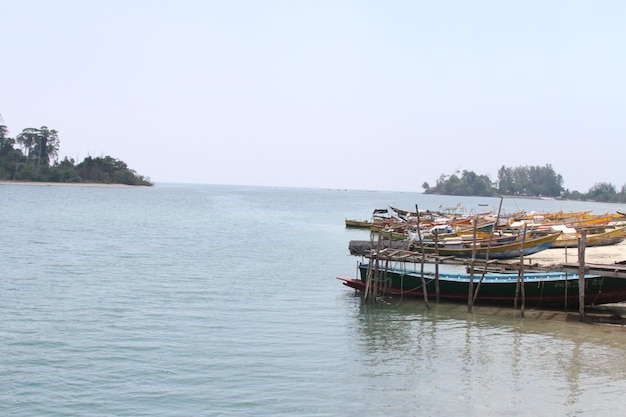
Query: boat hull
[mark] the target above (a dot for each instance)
(612, 237)
(549, 289)
(358, 224)
(500, 251)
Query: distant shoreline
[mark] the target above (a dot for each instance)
(69, 184)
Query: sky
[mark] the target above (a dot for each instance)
(365, 95)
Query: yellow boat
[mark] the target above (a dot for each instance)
(358, 224)
(607, 238)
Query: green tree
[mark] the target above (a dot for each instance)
(530, 180)
(6, 143)
(37, 160)
(40, 145)
(468, 184)
(64, 171)
(602, 191)
(506, 183)
(109, 170)
(11, 159)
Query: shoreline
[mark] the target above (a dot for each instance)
(593, 255)
(69, 184)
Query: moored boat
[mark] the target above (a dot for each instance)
(606, 238)
(358, 224)
(541, 289)
(380, 219)
(464, 248)
(506, 250)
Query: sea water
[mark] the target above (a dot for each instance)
(206, 300)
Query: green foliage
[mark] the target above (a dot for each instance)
(522, 181)
(530, 181)
(468, 184)
(40, 145)
(602, 192)
(109, 170)
(38, 161)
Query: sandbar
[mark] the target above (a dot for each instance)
(66, 184)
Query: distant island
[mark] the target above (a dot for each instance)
(36, 160)
(523, 181)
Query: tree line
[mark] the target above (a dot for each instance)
(523, 181)
(32, 155)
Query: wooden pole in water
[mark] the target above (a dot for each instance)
(470, 292)
(482, 275)
(386, 280)
(419, 234)
(436, 239)
(377, 273)
(566, 282)
(582, 244)
(424, 281)
(368, 279)
(372, 270)
(521, 270)
(520, 275)
(368, 276)
(516, 291)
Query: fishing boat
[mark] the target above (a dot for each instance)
(606, 238)
(508, 250)
(578, 221)
(555, 216)
(464, 248)
(358, 224)
(541, 289)
(380, 219)
(459, 240)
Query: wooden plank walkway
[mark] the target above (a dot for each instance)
(606, 270)
(617, 270)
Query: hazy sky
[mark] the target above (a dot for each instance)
(379, 95)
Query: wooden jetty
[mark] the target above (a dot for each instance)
(382, 256)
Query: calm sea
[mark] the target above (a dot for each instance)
(198, 300)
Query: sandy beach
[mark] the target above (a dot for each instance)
(65, 184)
(596, 254)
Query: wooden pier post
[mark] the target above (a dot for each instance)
(520, 276)
(436, 238)
(582, 244)
(470, 292)
(482, 275)
(372, 279)
(521, 272)
(368, 279)
(419, 234)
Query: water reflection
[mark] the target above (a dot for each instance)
(444, 359)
